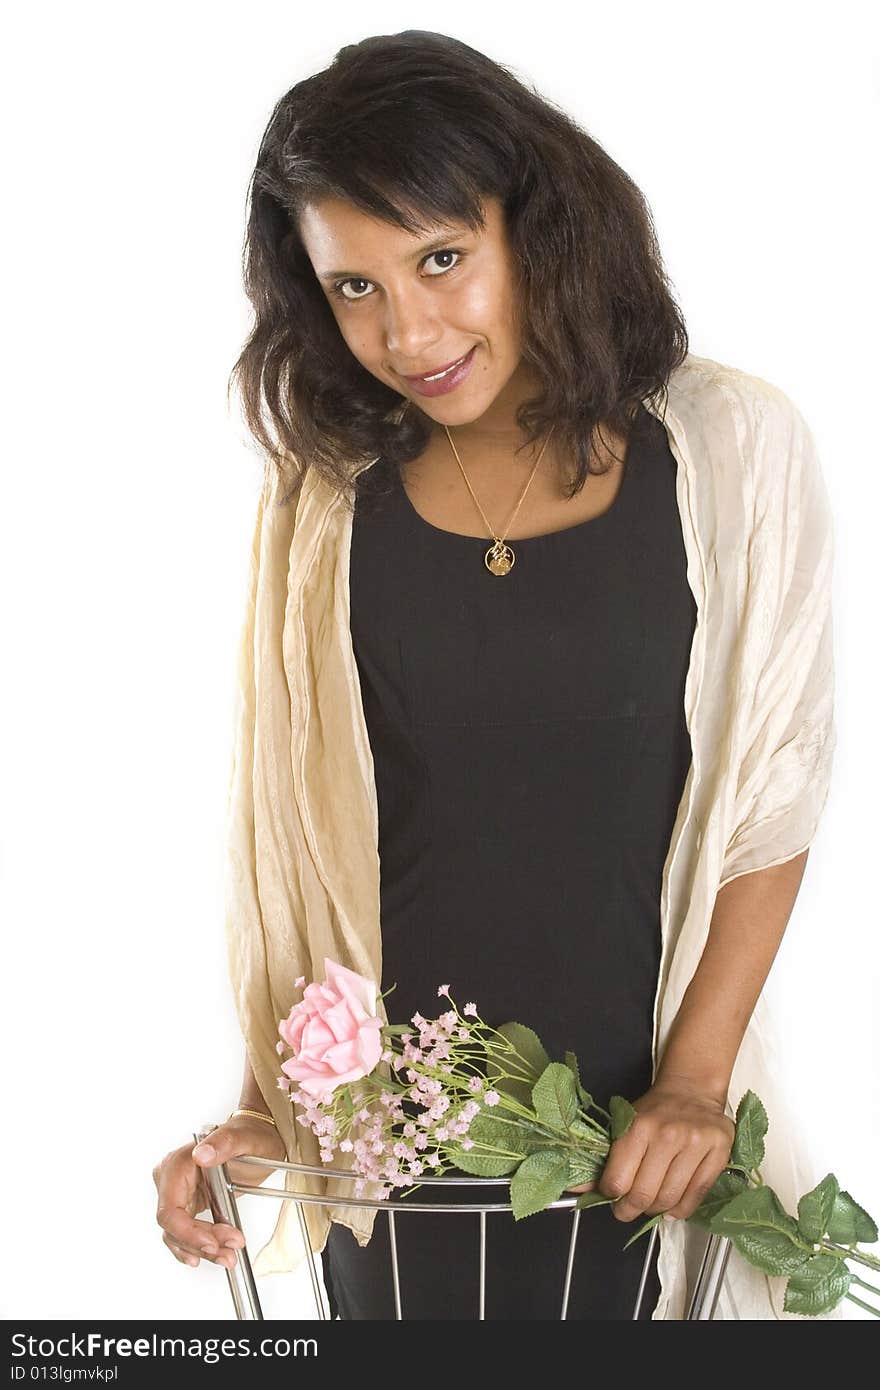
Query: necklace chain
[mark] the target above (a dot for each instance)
(499, 557)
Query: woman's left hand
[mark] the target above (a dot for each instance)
(672, 1153)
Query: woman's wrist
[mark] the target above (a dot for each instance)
(252, 1111)
(711, 1084)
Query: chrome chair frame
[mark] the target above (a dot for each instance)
(243, 1287)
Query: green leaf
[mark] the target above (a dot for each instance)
(815, 1209)
(725, 1187)
(531, 1052)
(622, 1116)
(539, 1180)
(654, 1221)
(762, 1231)
(818, 1286)
(520, 1091)
(751, 1127)
(527, 1044)
(500, 1132)
(492, 1131)
(571, 1062)
(585, 1097)
(584, 1167)
(850, 1223)
(591, 1199)
(481, 1165)
(554, 1096)
(583, 1131)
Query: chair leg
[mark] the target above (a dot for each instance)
(576, 1216)
(310, 1255)
(224, 1208)
(394, 1270)
(655, 1234)
(709, 1279)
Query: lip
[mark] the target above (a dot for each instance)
(446, 383)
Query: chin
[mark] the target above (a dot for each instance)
(447, 411)
(456, 419)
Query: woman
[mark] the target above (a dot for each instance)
(508, 640)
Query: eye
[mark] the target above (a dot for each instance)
(445, 253)
(339, 288)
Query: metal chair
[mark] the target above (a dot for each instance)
(242, 1284)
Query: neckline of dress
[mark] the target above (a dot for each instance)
(616, 506)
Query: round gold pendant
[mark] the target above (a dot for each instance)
(499, 558)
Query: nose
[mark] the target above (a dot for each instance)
(411, 328)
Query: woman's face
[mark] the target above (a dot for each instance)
(410, 305)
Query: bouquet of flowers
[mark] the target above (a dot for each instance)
(453, 1092)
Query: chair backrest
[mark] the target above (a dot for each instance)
(242, 1283)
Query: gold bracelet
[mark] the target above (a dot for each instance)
(258, 1114)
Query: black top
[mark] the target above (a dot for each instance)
(530, 753)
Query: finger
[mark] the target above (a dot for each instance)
(199, 1237)
(623, 1162)
(583, 1187)
(186, 1257)
(646, 1183)
(223, 1145)
(217, 1233)
(183, 1191)
(180, 1232)
(231, 1146)
(701, 1182)
(179, 1196)
(190, 1255)
(678, 1176)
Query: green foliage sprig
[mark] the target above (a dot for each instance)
(554, 1142)
(506, 1108)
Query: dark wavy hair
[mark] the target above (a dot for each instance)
(600, 324)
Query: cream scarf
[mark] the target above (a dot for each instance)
(303, 865)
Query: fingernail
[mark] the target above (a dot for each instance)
(205, 1151)
(231, 1244)
(210, 1249)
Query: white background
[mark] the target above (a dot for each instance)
(129, 490)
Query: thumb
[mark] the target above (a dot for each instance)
(229, 1141)
(216, 1148)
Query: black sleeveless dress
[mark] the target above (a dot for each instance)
(530, 753)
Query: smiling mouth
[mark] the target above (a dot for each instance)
(444, 371)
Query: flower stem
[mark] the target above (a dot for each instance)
(868, 1309)
(856, 1280)
(601, 1130)
(860, 1256)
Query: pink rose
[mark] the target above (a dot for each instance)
(333, 1033)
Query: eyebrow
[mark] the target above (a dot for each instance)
(421, 251)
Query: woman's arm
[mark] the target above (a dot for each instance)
(747, 926)
(251, 1095)
(681, 1138)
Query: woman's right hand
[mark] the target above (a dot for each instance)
(183, 1191)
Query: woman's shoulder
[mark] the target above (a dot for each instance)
(721, 391)
(747, 434)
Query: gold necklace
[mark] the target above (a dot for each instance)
(499, 558)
